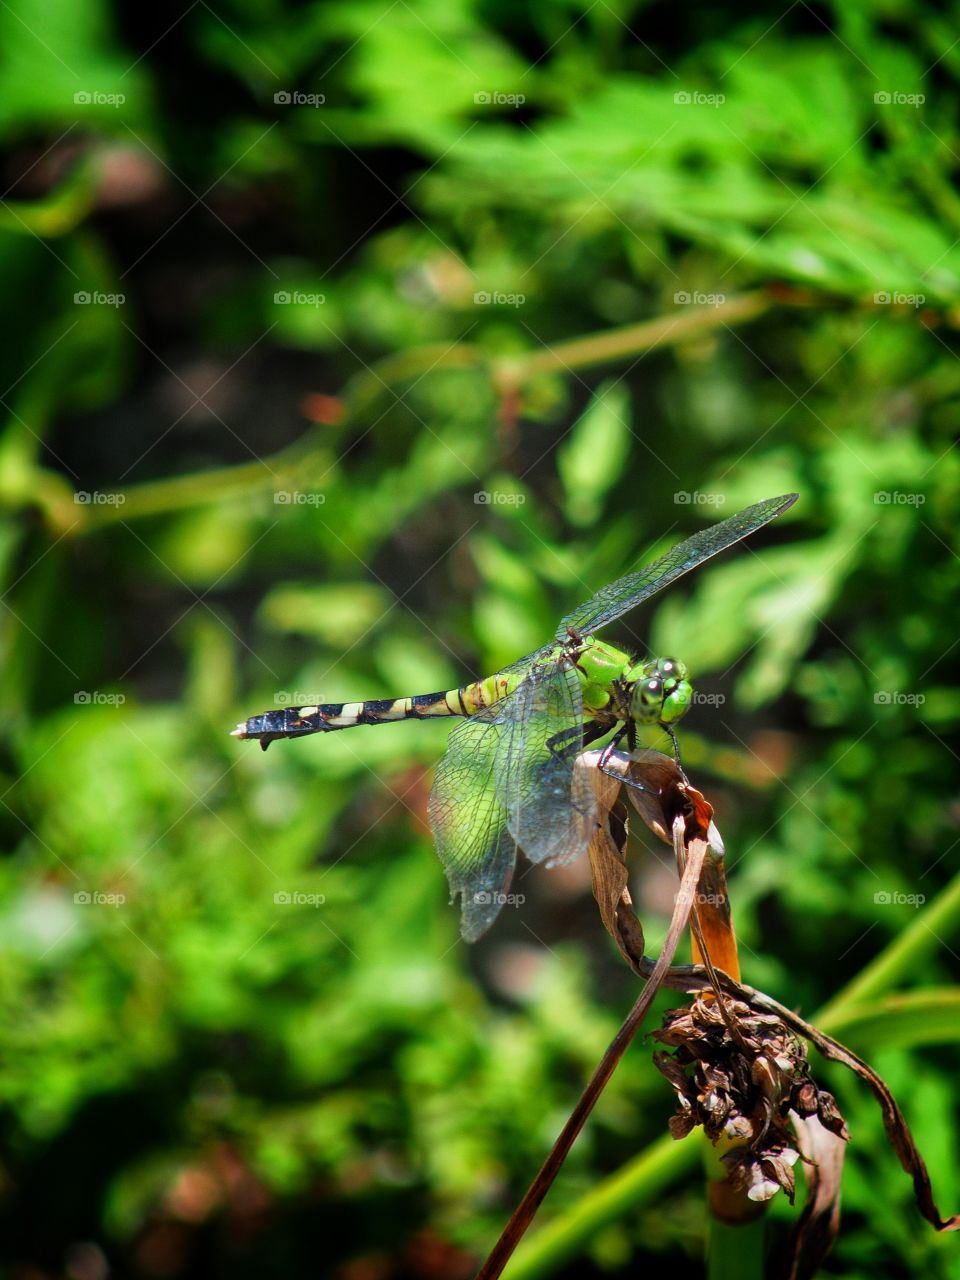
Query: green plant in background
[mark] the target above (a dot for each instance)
(711, 262)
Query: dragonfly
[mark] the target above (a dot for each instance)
(507, 781)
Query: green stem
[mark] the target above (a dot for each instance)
(639, 1182)
(633, 339)
(365, 388)
(736, 1252)
(286, 468)
(160, 496)
(735, 1247)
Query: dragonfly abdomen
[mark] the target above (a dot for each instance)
(297, 722)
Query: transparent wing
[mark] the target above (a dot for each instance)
(469, 821)
(550, 812)
(616, 599)
(507, 780)
(541, 660)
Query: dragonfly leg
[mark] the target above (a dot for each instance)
(592, 732)
(565, 739)
(576, 738)
(570, 742)
(612, 745)
(676, 750)
(630, 733)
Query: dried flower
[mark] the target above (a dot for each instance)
(744, 1077)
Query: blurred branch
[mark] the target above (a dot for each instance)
(507, 374)
(56, 498)
(632, 339)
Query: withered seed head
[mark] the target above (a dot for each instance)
(741, 1077)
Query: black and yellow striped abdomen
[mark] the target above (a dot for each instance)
(297, 722)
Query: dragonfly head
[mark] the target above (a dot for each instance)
(661, 691)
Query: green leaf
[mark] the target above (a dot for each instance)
(591, 460)
(927, 1017)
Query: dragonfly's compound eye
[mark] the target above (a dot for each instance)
(659, 699)
(676, 702)
(647, 700)
(670, 669)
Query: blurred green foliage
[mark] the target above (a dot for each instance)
(245, 470)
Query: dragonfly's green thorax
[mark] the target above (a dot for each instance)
(656, 691)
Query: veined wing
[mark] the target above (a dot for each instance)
(540, 660)
(505, 782)
(468, 820)
(619, 597)
(534, 768)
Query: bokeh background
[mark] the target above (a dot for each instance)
(285, 287)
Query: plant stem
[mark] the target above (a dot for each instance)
(736, 1226)
(638, 1183)
(633, 339)
(736, 1252)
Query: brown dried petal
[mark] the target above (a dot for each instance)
(762, 1176)
(780, 1168)
(805, 1099)
(682, 1125)
(737, 1128)
(829, 1115)
(675, 1073)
